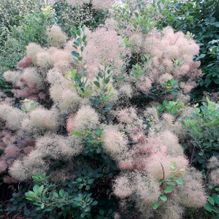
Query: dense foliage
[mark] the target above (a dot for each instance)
(202, 128)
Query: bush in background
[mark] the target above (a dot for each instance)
(201, 19)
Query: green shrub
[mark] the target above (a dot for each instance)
(202, 129)
(32, 29)
(171, 107)
(12, 15)
(12, 12)
(69, 17)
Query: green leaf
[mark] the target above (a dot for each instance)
(95, 202)
(55, 195)
(97, 84)
(36, 188)
(107, 80)
(42, 206)
(77, 133)
(156, 205)
(217, 189)
(61, 193)
(216, 198)
(179, 181)
(208, 207)
(168, 189)
(98, 132)
(75, 55)
(31, 196)
(216, 210)
(210, 200)
(163, 198)
(41, 189)
(173, 165)
(77, 42)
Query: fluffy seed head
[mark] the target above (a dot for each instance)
(171, 141)
(32, 78)
(102, 4)
(57, 38)
(32, 50)
(104, 48)
(114, 141)
(3, 166)
(44, 119)
(192, 194)
(12, 76)
(147, 189)
(17, 171)
(11, 151)
(122, 187)
(85, 118)
(214, 177)
(69, 101)
(44, 60)
(12, 116)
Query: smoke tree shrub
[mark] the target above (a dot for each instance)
(76, 120)
(158, 175)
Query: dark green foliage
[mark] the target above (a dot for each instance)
(12, 15)
(171, 107)
(32, 29)
(202, 131)
(52, 201)
(168, 89)
(212, 206)
(69, 17)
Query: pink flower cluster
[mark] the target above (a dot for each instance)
(29, 81)
(170, 58)
(12, 146)
(104, 48)
(153, 157)
(103, 4)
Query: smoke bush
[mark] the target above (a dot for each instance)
(84, 110)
